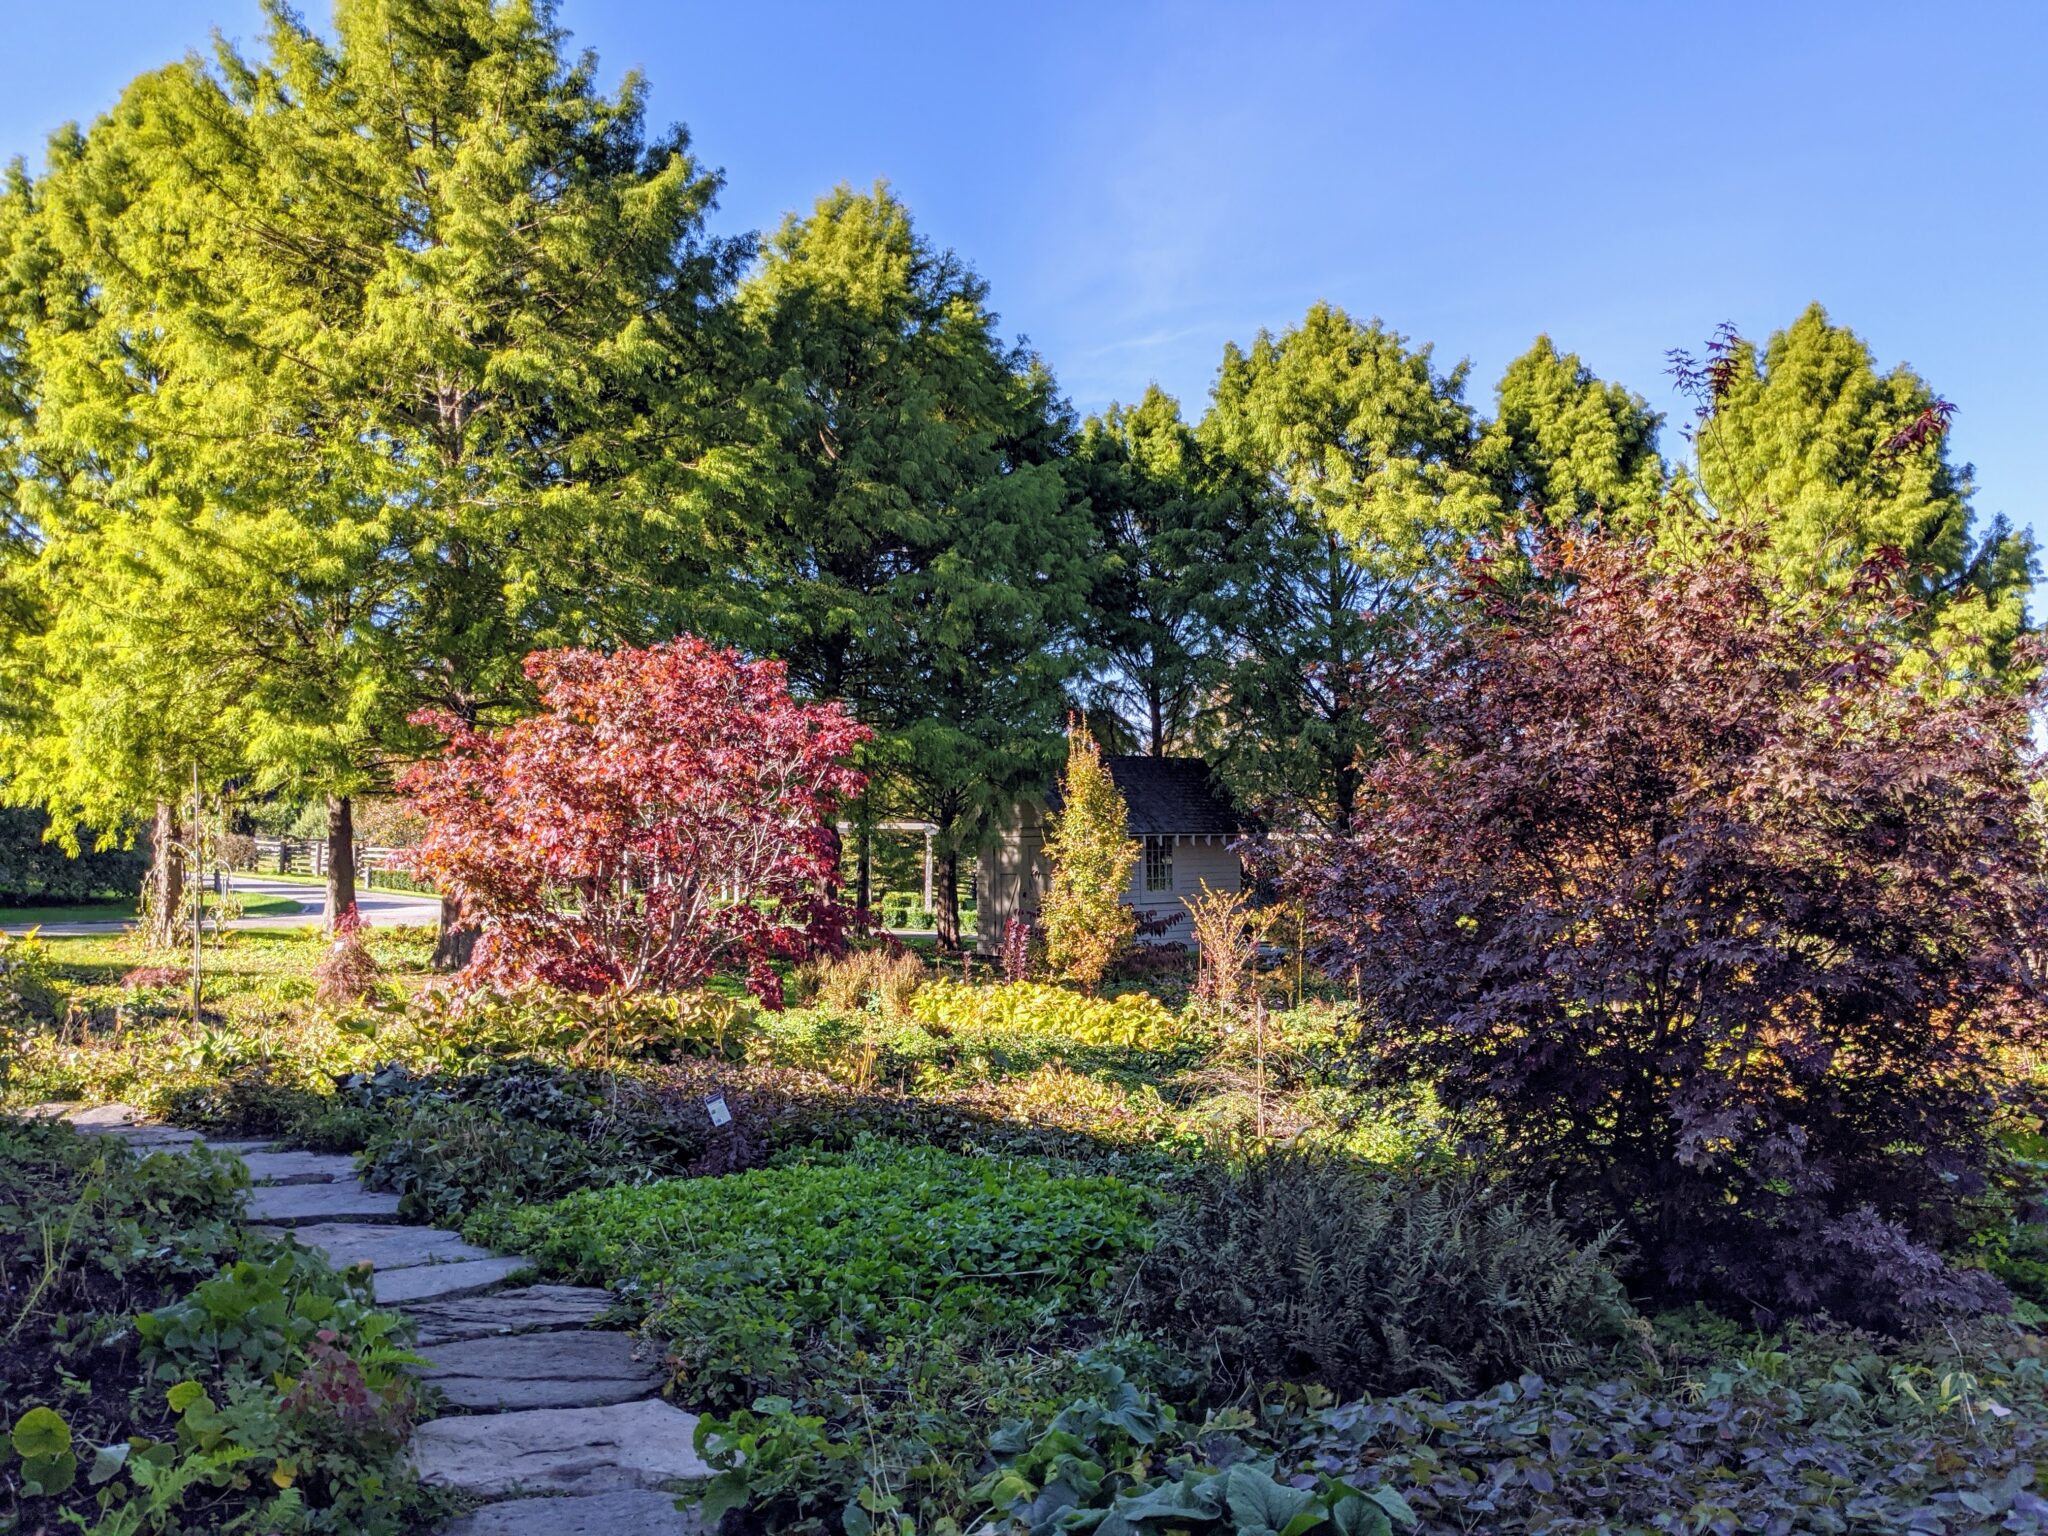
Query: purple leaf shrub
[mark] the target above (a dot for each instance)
(1698, 907)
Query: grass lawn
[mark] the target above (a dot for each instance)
(254, 977)
(69, 912)
(925, 943)
(16, 919)
(246, 958)
(366, 880)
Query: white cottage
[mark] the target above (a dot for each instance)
(1187, 828)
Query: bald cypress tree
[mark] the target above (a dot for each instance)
(1806, 439)
(1570, 448)
(395, 355)
(1163, 514)
(1357, 457)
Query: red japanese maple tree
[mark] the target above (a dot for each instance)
(666, 814)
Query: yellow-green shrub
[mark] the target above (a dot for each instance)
(1056, 1096)
(166, 1065)
(1134, 1020)
(1091, 852)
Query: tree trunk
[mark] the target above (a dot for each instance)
(166, 877)
(947, 908)
(1349, 781)
(456, 941)
(833, 886)
(341, 857)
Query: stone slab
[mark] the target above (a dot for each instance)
(126, 1124)
(299, 1167)
(134, 1128)
(292, 1205)
(123, 1120)
(380, 1246)
(561, 1450)
(87, 1117)
(530, 1309)
(634, 1513)
(429, 1282)
(580, 1369)
(151, 1138)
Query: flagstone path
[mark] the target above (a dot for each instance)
(554, 1421)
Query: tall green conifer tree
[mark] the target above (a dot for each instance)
(1164, 516)
(918, 555)
(102, 722)
(400, 355)
(1360, 452)
(1805, 438)
(1571, 448)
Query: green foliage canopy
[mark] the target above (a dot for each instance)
(1569, 447)
(365, 366)
(1163, 514)
(1362, 453)
(1805, 438)
(915, 551)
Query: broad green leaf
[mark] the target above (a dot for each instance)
(1256, 1499)
(1352, 1515)
(49, 1474)
(41, 1432)
(1396, 1507)
(725, 1492)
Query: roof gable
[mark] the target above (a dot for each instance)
(1168, 796)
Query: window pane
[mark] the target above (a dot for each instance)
(1158, 863)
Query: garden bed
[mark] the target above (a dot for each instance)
(965, 1251)
(163, 1369)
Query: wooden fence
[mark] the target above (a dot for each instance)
(376, 867)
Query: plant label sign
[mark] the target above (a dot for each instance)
(715, 1107)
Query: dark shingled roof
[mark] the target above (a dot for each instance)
(1169, 795)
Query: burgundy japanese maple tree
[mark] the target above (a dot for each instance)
(667, 813)
(1689, 905)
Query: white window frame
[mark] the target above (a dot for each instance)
(1158, 863)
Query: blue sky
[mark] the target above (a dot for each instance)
(1142, 181)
